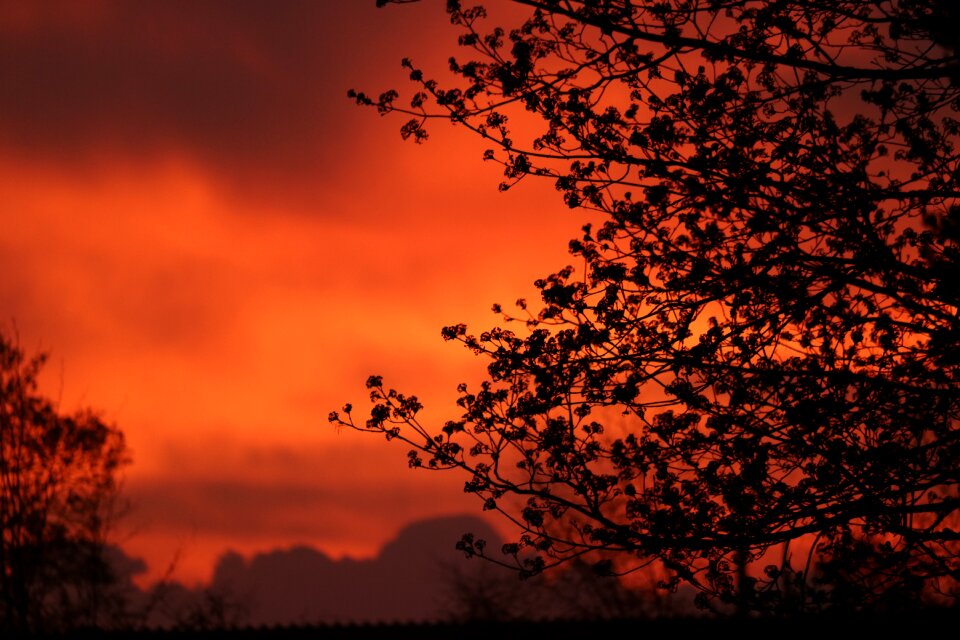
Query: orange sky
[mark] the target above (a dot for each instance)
(216, 248)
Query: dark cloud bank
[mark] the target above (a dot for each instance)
(409, 580)
(419, 576)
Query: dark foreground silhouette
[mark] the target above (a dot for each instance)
(420, 585)
(802, 627)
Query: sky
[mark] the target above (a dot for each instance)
(216, 248)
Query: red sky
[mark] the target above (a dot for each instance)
(217, 248)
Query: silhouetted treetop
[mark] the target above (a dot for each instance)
(752, 376)
(59, 476)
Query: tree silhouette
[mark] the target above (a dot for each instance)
(58, 479)
(488, 593)
(752, 376)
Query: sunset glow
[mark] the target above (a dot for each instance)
(216, 248)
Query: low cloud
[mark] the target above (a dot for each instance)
(409, 580)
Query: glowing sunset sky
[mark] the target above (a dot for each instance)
(217, 248)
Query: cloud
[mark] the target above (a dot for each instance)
(254, 91)
(416, 576)
(408, 580)
(327, 494)
(335, 494)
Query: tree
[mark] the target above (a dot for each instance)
(753, 377)
(58, 482)
(488, 593)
